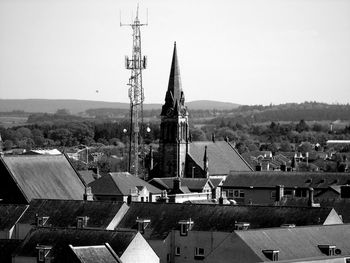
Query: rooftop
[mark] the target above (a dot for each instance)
(288, 179)
(44, 176)
(64, 213)
(120, 184)
(165, 216)
(60, 238)
(223, 157)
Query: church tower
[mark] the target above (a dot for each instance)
(174, 130)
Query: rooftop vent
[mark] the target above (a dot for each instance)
(271, 254)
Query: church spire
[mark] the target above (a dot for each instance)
(174, 94)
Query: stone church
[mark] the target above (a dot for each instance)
(179, 156)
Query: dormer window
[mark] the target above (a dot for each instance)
(242, 225)
(82, 221)
(43, 253)
(185, 226)
(142, 224)
(41, 220)
(271, 254)
(329, 250)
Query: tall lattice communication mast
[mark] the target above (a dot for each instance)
(136, 64)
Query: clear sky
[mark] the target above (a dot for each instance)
(240, 51)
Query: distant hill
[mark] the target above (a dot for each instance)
(76, 106)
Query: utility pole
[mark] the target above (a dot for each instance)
(135, 64)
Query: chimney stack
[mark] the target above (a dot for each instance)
(213, 137)
(177, 184)
(88, 196)
(206, 162)
(151, 157)
(283, 167)
(258, 167)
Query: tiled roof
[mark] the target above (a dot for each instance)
(223, 157)
(120, 184)
(9, 214)
(44, 176)
(288, 179)
(60, 238)
(193, 184)
(93, 254)
(64, 213)
(165, 216)
(299, 242)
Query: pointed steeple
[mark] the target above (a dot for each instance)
(174, 93)
(174, 85)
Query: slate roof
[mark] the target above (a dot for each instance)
(7, 247)
(60, 238)
(64, 213)
(87, 176)
(193, 184)
(44, 176)
(120, 184)
(223, 157)
(299, 242)
(9, 214)
(288, 179)
(165, 216)
(93, 254)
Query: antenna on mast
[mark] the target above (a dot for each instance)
(136, 64)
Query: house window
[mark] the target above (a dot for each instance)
(43, 253)
(271, 254)
(235, 193)
(177, 251)
(82, 221)
(329, 250)
(199, 253)
(41, 220)
(168, 258)
(300, 192)
(142, 224)
(185, 226)
(183, 230)
(242, 226)
(288, 192)
(273, 195)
